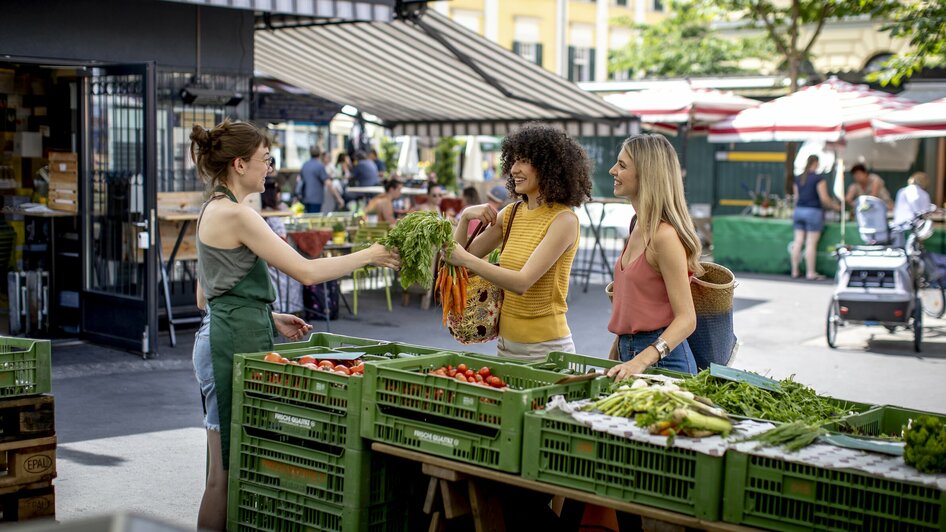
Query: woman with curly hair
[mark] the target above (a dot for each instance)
(550, 174)
(652, 312)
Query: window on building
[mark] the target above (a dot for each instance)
(530, 51)
(658, 5)
(581, 64)
(620, 75)
(622, 3)
(469, 19)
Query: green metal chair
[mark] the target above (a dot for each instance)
(366, 235)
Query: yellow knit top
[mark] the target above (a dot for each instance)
(538, 315)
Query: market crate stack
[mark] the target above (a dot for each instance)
(27, 431)
(297, 459)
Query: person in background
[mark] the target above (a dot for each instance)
(373, 155)
(311, 186)
(811, 199)
(497, 197)
(551, 172)
(912, 200)
(435, 194)
(343, 167)
(365, 173)
(333, 187)
(382, 205)
(234, 248)
(867, 184)
(288, 290)
(471, 196)
(652, 312)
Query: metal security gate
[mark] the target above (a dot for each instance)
(119, 299)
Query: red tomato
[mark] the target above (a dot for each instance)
(478, 377)
(327, 364)
(273, 357)
(495, 382)
(462, 368)
(342, 369)
(460, 377)
(452, 373)
(469, 373)
(484, 371)
(306, 359)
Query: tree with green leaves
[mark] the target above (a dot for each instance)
(684, 44)
(445, 162)
(923, 24)
(783, 22)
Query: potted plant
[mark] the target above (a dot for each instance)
(338, 233)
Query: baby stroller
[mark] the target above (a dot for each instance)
(879, 283)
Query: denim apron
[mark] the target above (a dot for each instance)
(241, 321)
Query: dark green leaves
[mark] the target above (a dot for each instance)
(417, 237)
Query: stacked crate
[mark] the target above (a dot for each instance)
(63, 181)
(297, 459)
(27, 431)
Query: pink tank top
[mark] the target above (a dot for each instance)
(640, 302)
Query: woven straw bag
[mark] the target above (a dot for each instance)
(713, 340)
(484, 300)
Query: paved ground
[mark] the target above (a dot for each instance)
(129, 429)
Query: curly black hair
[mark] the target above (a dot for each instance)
(563, 166)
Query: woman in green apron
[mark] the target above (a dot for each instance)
(234, 245)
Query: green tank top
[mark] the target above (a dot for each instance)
(218, 269)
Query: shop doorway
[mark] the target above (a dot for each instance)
(118, 191)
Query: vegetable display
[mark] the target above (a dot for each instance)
(925, 448)
(417, 237)
(342, 367)
(664, 409)
(793, 436)
(463, 373)
(796, 402)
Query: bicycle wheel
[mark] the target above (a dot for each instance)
(934, 300)
(831, 325)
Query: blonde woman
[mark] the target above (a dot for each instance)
(652, 313)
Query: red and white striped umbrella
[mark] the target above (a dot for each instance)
(831, 111)
(663, 109)
(920, 121)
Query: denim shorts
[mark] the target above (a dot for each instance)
(204, 370)
(808, 219)
(680, 359)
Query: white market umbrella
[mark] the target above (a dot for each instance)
(666, 109)
(829, 112)
(923, 120)
(472, 161)
(407, 159)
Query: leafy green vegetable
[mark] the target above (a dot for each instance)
(796, 402)
(926, 444)
(417, 237)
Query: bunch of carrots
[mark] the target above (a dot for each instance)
(451, 289)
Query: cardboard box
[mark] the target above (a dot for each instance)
(63, 201)
(63, 180)
(28, 144)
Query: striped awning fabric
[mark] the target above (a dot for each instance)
(922, 121)
(342, 10)
(430, 77)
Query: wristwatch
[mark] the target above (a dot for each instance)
(662, 348)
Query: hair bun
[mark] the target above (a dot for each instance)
(201, 137)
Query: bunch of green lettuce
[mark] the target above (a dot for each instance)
(925, 437)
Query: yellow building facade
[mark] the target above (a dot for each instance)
(569, 37)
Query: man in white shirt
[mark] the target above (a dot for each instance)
(911, 199)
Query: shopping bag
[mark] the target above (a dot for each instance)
(479, 321)
(713, 340)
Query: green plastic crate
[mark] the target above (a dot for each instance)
(405, 406)
(559, 450)
(394, 350)
(880, 421)
(327, 340)
(574, 364)
(25, 367)
(322, 426)
(326, 474)
(259, 508)
(786, 496)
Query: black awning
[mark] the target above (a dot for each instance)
(339, 10)
(430, 77)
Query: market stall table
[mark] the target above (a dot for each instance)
(482, 510)
(761, 245)
(378, 189)
(589, 267)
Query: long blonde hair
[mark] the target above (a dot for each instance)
(660, 193)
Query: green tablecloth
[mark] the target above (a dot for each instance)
(761, 245)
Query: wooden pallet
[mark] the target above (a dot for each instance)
(27, 461)
(24, 418)
(29, 501)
